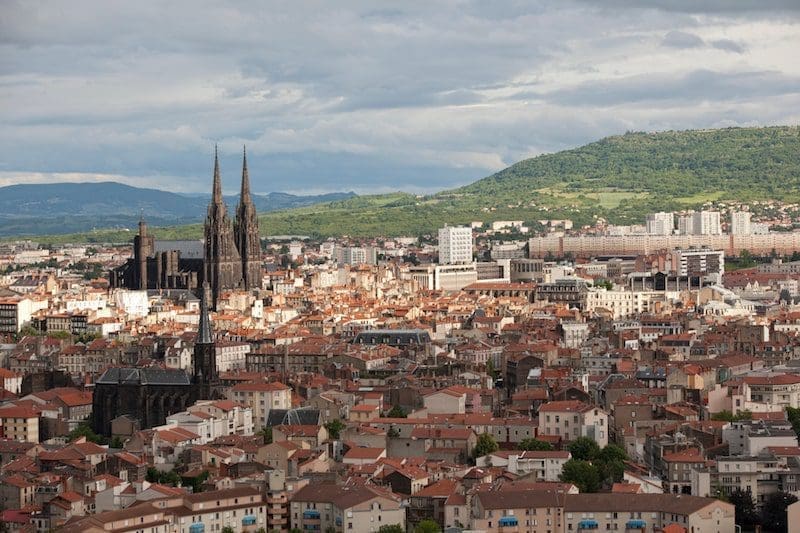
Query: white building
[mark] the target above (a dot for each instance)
(455, 245)
(356, 255)
(231, 355)
(660, 223)
(706, 223)
(740, 223)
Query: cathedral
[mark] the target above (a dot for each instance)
(228, 258)
(149, 395)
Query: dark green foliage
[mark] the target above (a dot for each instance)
(582, 474)
(427, 526)
(486, 444)
(196, 482)
(165, 478)
(227, 529)
(773, 512)
(727, 416)
(394, 528)
(793, 414)
(334, 428)
(266, 434)
(746, 514)
(85, 430)
(535, 445)
(397, 412)
(584, 449)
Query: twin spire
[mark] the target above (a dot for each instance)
(216, 195)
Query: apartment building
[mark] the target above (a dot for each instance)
(357, 507)
(262, 398)
(571, 419)
(455, 245)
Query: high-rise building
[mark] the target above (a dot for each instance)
(356, 255)
(706, 223)
(740, 223)
(660, 223)
(686, 224)
(455, 245)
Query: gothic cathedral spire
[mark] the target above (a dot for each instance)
(245, 229)
(223, 266)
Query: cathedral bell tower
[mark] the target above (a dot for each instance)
(205, 373)
(245, 230)
(223, 265)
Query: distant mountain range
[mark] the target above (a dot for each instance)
(619, 179)
(58, 208)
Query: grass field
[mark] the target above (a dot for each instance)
(700, 198)
(607, 198)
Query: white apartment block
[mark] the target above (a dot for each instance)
(455, 245)
(706, 223)
(740, 223)
(231, 355)
(660, 223)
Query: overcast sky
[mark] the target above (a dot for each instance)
(366, 96)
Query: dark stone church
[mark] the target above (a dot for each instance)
(228, 258)
(149, 395)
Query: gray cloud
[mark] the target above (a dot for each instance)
(360, 96)
(682, 39)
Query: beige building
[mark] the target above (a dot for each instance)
(357, 508)
(262, 398)
(571, 419)
(519, 510)
(242, 509)
(445, 401)
(20, 424)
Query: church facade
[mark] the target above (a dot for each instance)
(228, 258)
(151, 394)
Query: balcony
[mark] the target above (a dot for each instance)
(310, 514)
(508, 524)
(586, 525)
(635, 524)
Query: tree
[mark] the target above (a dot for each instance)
(334, 428)
(728, 416)
(116, 442)
(582, 474)
(85, 430)
(394, 528)
(535, 445)
(612, 452)
(793, 414)
(773, 512)
(485, 445)
(584, 449)
(746, 514)
(227, 529)
(427, 526)
(266, 434)
(397, 412)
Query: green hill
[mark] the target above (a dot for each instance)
(620, 178)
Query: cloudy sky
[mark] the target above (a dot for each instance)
(371, 96)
